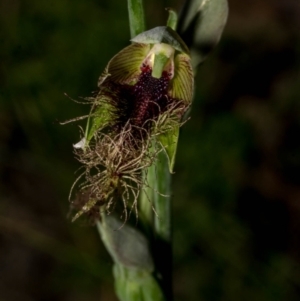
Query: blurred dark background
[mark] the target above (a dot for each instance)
(236, 205)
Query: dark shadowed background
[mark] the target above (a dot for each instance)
(236, 205)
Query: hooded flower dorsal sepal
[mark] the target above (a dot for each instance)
(162, 34)
(143, 95)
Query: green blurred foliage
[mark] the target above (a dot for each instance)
(236, 183)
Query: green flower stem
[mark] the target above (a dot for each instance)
(162, 224)
(146, 200)
(136, 17)
(157, 195)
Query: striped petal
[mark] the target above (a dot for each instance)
(182, 85)
(124, 67)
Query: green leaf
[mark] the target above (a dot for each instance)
(136, 285)
(169, 142)
(162, 34)
(200, 25)
(127, 246)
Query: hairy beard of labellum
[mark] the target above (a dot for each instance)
(118, 153)
(113, 171)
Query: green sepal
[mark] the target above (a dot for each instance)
(169, 142)
(136, 285)
(183, 80)
(162, 34)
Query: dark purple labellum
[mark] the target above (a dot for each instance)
(142, 103)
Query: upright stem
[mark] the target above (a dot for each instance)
(136, 17)
(146, 200)
(158, 178)
(162, 224)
